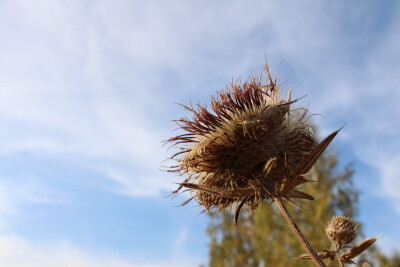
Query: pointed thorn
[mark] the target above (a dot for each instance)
(237, 212)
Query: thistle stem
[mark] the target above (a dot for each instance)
(314, 256)
(337, 249)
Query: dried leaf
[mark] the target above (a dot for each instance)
(358, 249)
(186, 202)
(324, 254)
(299, 194)
(306, 165)
(315, 154)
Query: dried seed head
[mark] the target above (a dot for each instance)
(341, 230)
(251, 146)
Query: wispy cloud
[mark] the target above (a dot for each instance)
(90, 81)
(91, 84)
(18, 252)
(13, 194)
(60, 96)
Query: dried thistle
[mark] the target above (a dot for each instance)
(251, 146)
(341, 230)
(357, 250)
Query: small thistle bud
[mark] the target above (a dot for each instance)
(341, 230)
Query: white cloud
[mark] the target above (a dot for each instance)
(144, 185)
(387, 165)
(375, 127)
(18, 252)
(58, 97)
(180, 240)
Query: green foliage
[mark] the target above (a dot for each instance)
(264, 238)
(388, 261)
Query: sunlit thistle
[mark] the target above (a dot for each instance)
(249, 147)
(341, 231)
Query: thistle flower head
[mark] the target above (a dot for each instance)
(341, 230)
(249, 146)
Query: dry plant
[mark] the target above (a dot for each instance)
(341, 231)
(249, 147)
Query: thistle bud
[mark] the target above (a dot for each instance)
(341, 230)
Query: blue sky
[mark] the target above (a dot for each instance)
(86, 97)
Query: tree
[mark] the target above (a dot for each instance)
(383, 260)
(264, 238)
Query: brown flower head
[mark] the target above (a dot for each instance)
(341, 230)
(250, 146)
